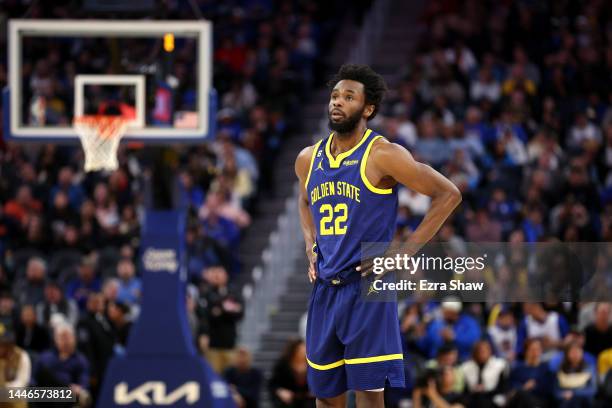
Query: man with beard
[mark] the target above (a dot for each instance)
(348, 195)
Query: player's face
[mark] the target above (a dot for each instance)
(347, 106)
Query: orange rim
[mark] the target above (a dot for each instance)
(105, 126)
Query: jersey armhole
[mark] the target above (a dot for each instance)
(312, 158)
(362, 170)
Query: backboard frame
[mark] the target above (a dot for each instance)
(14, 130)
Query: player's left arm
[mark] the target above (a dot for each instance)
(390, 160)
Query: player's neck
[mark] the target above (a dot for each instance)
(343, 142)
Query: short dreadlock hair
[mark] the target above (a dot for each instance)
(373, 83)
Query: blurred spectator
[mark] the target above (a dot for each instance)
(90, 230)
(452, 326)
(448, 356)
(30, 334)
(245, 379)
(241, 96)
(86, 282)
(106, 211)
(225, 308)
(461, 56)
(485, 86)
(55, 303)
(576, 381)
(35, 235)
(60, 216)
(230, 55)
(503, 209)
(129, 226)
(401, 132)
(550, 327)
(604, 370)
(96, 338)
(23, 206)
(118, 315)
(392, 132)
(530, 380)
(485, 376)
(484, 229)
(439, 391)
(599, 333)
(8, 311)
(203, 250)
(67, 185)
(63, 365)
(198, 319)
(15, 366)
(31, 289)
(476, 132)
(218, 227)
(417, 203)
(584, 134)
(586, 315)
(510, 143)
(130, 286)
(518, 80)
(218, 209)
(191, 195)
(503, 335)
(288, 386)
(460, 169)
(240, 163)
(430, 147)
(110, 289)
(575, 336)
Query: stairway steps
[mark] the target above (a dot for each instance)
(280, 335)
(296, 308)
(301, 286)
(285, 326)
(284, 316)
(291, 297)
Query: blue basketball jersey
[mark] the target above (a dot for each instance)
(346, 208)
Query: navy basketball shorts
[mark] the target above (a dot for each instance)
(351, 344)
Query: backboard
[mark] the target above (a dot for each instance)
(160, 71)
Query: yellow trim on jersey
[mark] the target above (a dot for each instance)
(325, 366)
(363, 360)
(312, 159)
(362, 170)
(337, 161)
(375, 359)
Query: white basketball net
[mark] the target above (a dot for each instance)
(100, 136)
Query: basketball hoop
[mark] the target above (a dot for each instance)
(100, 136)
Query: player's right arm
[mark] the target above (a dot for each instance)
(302, 167)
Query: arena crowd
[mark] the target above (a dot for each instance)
(510, 100)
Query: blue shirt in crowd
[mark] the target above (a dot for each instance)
(73, 370)
(467, 332)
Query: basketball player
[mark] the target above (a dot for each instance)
(349, 184)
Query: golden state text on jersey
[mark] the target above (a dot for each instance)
(346, 208)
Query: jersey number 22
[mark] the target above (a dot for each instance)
(333, 219)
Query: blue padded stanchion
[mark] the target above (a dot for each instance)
(161, 366)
